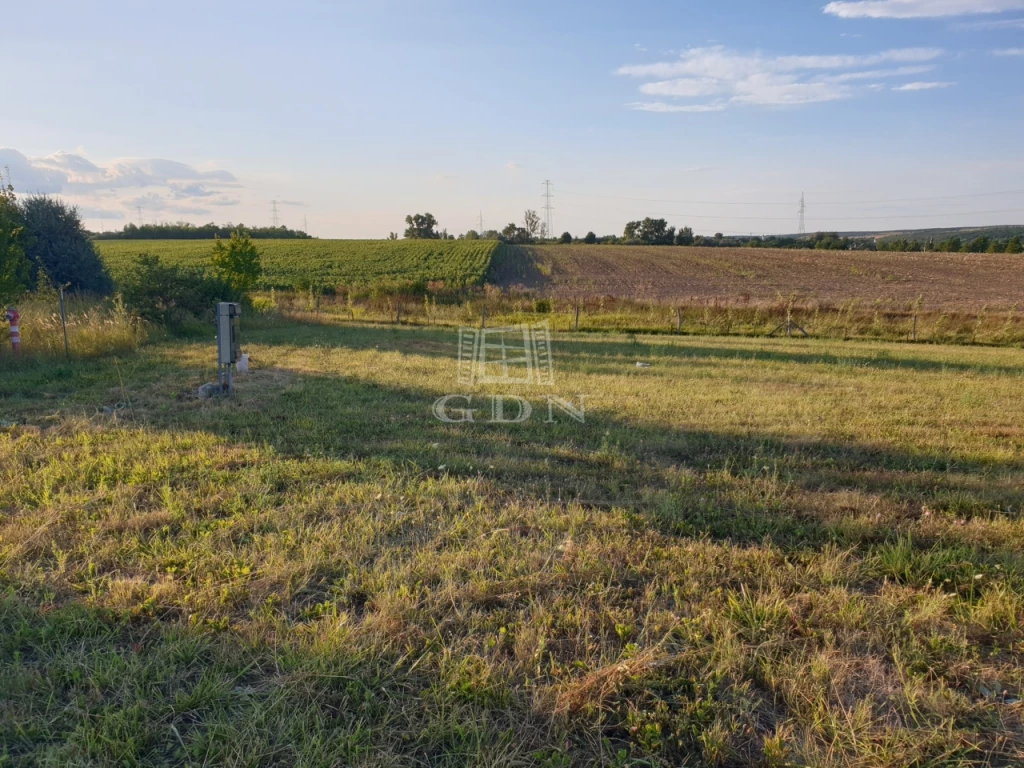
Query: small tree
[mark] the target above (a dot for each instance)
(1014, 246)
(237, 263)
(566, 238)
(14, 265)
(532, 224)
(516, 235)
(590, 239)
(684, 236)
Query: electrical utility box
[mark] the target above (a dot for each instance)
(229, 347)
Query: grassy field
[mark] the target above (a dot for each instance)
(753, 553)
(291, 264)
(741, 276)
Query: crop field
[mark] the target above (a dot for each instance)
(949, 281)
(751, 552)
(299, 264)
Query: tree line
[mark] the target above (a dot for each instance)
(656, 231)
(183, 230)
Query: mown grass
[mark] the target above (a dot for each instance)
(754, 552)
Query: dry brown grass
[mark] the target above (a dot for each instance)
(946, 281)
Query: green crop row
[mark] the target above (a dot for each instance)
(300, 264)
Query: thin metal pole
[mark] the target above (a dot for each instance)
(64, 322)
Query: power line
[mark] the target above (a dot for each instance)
(547, 207)
(837, 218)
(817, 203)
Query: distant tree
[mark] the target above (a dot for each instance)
(421, 227)
(1014, 245)
(472, 235)
(684, 236)
(532, 224)
(566, 238)
(183, 230)
(655, 232)
(58, 247)
(14, 265)
(977, 245)
(238, 263)
(590, 239)
(996, 247)
(392, 235)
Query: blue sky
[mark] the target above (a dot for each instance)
(888, 114)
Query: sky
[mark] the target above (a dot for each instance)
(884, 114)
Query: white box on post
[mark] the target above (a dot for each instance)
(229, 348)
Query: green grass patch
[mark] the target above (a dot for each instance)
(754, 552)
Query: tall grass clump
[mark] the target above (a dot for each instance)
(95, 328)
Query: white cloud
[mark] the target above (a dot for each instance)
(922, 86)
(918, 9)
(513, 167)
(731, 78)
(986, 26)
(660, 106)
(875, 74)
(1009, 52)
(168, 188)
(683, 86)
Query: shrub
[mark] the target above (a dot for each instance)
(542, 306)
(237, 263)
(57, 245)
(172, 295)
(14, 266)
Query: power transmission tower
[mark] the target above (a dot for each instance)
(803, 212)
(481, 230)
(273, 212)
(548, 197)
(138, 209)
(305, 226)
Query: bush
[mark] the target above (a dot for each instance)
(58, 246)
(238, 263)
(14, 267)
(542, 306)
(172, 295)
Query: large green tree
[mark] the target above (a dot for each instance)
(57, 244)
(421, 226)
(14, 265)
